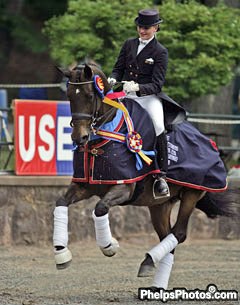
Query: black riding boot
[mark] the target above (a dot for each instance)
(160, 187)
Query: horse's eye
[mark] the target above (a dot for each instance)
(91, 96)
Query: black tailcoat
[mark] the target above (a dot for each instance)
(148, 69)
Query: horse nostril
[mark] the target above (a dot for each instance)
(80, 137)
(80, 140)
(85, 138)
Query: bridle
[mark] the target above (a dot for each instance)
(80, 115)
(94, 117)
(81, 83)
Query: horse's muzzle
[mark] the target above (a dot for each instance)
(80, 141)
(80, 134)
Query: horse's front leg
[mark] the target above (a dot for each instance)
(117, 194)
(63, 255)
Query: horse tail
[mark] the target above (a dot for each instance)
(220, 204)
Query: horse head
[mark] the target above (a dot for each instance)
(86, 88)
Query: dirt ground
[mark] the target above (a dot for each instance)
(28, 275)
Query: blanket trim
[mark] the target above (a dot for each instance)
(198, 187)
(90, 180)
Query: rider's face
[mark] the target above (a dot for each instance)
(146, 33)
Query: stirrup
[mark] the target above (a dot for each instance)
(160, 195)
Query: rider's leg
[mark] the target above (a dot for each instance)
(153, 105)
(160, 184)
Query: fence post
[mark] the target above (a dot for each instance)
(3, 104)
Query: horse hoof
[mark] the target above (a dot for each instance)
(63, 258)
(146, 271)
(111, 249)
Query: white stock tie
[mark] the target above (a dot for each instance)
(142, 44)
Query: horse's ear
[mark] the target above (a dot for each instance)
(63, 71)
(88, 72)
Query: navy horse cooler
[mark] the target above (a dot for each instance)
(194, 160)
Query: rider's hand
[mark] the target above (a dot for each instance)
(112, 81)
(130, 86)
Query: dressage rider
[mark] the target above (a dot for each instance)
(141, 66)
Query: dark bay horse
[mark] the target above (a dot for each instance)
(90, 111)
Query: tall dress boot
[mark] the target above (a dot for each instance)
(160, 186)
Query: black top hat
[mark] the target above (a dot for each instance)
(148, 17)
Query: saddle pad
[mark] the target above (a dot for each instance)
(194, 160)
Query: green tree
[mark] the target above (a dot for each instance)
(203, 46)
(203, 42)
(94, 29)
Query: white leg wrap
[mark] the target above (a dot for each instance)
(60, 230)
(102, 229)
(164, 247)
(163, 272)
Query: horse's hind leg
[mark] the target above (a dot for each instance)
(188, 202)
(162, 252)
(117, 194)
(179, 230)
(160, 216)
(63, 255)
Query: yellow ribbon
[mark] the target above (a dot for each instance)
(115, 104)
(145, 158)
(112, 135)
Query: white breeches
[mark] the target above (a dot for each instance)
(153, 105)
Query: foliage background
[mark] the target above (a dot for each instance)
(24, 51)
(21, 24)
(203, 42)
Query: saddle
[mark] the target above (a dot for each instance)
(173, 113)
